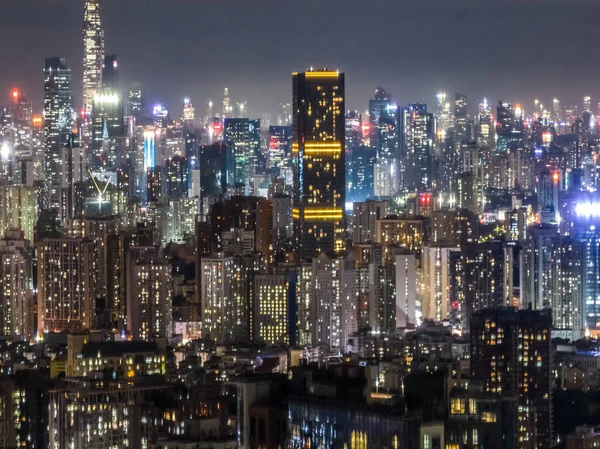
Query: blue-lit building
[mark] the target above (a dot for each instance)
(361, 174)
(242, 137)
(377, 107)
(580, 214)
(327, 423)
(149, 161)
(388, 133)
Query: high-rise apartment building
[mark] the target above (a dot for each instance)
(511, 357)
(149, 294)
(16, 302)
(319, 151)
(365, 220)
(272, 309)
(66, 280)
(552, 275)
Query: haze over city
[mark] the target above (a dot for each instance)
(512, 50)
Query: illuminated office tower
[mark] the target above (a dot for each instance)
(369, 176)
(461, 131)
(509, 127)
(416, 141)
(377, 106)
(58, 123)
(189, 115)
(154, 184)
(174, 140)
(177, 177)
(226, 109)
(240, 138)
(485, 125)
(280, 147)
(444, 116)
(319, 172)
(107, 118)
(22, 114)
(388, 133)
(583, 214)
(556, 111)
(93, 51)
(149, 294)
(136, 104)
(66, 282)
(587, 104)
(271, 309)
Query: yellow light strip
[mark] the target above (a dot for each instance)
(322, 150)
(322, 147)
(324, 218)
(323, 213)
(322, 74)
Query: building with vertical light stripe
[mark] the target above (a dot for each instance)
(318, 151)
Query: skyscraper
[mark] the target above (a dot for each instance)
(57, 122)
(240, 135)
(136, 104)
(417, 146)
(107, 118)
(377, 106)
(318, 149)
(93, 51)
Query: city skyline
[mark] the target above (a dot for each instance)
(199, 60)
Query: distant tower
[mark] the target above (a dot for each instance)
(93, 51)
(189, 115)
(226, 103)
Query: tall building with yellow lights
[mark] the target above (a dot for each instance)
(319, 169)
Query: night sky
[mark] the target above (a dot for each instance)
(504, 49)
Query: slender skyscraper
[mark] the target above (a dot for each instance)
(93, 58)
(318, 149)
(93, 52)
(417, 146)
(58, 121)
